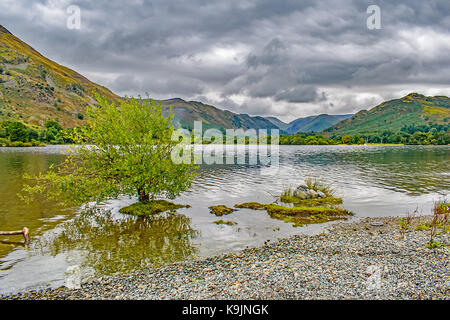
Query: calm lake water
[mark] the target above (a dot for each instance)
(373, 181)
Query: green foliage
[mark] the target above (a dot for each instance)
(228, 223)
(14, 131)
(220, 210)
(251, 205)
(423, 135)
(53, 124)
(123, 150)
(151, 208)
(432, 244)
(306, 211)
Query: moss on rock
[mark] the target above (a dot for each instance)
(310, 202)
(151, 207)
(251, 205)
(228, 223)
(221, 210)
(306, 211)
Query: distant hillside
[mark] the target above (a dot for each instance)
(280, 124)
(309, 124)
(186, 112)
(34, 89)
(414, 109)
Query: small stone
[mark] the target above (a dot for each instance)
(376, 224)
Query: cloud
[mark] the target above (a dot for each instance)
(283, 58)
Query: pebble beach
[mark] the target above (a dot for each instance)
(364, 259)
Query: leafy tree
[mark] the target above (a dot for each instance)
(15, 131)
(123, 150)
(346, 140)
(53, 124)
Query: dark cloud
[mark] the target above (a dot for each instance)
(262, 57)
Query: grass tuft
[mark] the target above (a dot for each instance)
(151, 208)
(221, 210)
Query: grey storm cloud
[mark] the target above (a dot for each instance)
(284, 58)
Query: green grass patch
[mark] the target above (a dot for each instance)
(422, 227)
(228, 223)
(306, 211)
(289, 198)
(151, 208)
(309, 211)
(221, 210)
(251, 205)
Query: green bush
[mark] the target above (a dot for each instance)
(4, 142)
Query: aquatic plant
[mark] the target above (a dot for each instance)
(221, 210)
(252, 205)
(317, 185)
(299, 215)
(306, 211)
(151, 208)
(228, 223)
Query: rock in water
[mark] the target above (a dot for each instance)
(302, 188)
(300, 194)
(313, 194)
(321, 194)
(73, 277)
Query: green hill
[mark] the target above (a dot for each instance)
(309, 124)
(186, 112)
(412, 110)
(34, 89)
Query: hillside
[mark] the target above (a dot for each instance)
(186, 112)
(309, 124)
(34, 89)
(280, 124)
(412, 110)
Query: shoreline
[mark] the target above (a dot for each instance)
(350, 260)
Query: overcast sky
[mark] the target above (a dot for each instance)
(271, 58)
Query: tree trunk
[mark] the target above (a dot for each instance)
(143, 197)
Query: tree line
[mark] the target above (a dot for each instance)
(17, 134)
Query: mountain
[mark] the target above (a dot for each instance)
(412, 110)
(186, 112)
(280, 124)
(324, 121)
(34, 89)
(309, 124)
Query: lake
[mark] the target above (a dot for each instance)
(373, 181)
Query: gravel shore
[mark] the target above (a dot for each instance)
(358, 260)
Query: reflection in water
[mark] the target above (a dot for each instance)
(110, 245)
(15, 214)
(373, 181)
(411, 169)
